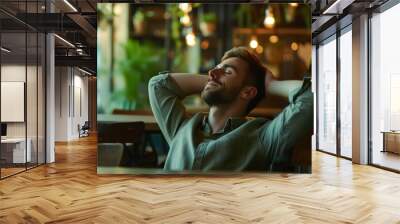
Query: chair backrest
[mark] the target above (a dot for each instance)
(124, 132)
(109, 154)
(86, 125)
(130, 134)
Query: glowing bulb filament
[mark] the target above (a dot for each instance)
(190, 39)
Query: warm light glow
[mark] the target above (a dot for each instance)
(70, 5)
(185, 7)
(205, 44)
(294, 46)
(84, 71)
(294, 4)
(79, 51)
(274, 39)
(5, 50)
(269, 20)
(253, 43)
(185, 20)
(65, 41)
(259, 49)
(190, 39)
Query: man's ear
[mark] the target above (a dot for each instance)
(248, 92)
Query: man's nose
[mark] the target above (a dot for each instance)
(215, 73)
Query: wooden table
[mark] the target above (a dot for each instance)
(150, 122)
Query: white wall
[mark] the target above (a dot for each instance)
(71, 93)
(61, 103)
(11, 73)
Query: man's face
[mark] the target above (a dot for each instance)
(225, 82)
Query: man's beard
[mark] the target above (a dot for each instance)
(217, 96)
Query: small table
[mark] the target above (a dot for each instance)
(391, 141)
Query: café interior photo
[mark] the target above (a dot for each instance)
(80, 144)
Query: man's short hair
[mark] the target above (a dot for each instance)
(257, 72)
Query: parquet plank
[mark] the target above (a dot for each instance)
(70, 191)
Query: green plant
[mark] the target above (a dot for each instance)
(139, 16)
(141, 62)
(209, 17)
(179, 60)
(175, 13)
(243, 15)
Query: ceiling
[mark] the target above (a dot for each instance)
(74, 21)
(326, 13)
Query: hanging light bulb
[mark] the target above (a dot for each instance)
(274, 39)
(185, 7)
(204, 44)
(185, 20)
(269, 20)
(294, 46)
(190, 39)
(259, 49)
(253, 43)
(294, 4)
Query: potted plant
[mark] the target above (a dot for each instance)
(208, 23)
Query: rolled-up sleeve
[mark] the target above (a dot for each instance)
(166, 103)
(293, 124)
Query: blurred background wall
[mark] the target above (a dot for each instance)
(135, 42)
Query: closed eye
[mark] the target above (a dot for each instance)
(227, 71)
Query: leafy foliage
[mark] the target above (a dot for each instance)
(141, 62)
(209, 17)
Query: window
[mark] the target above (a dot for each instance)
(385, 88)
(22, 74)
(346, 93)
(327, 96)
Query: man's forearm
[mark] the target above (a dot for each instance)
(189, 83)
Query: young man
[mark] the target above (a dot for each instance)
(224, 138)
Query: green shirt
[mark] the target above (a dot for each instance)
(245, 144)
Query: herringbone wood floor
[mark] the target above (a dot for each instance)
(69, 191)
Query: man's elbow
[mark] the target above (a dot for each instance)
(155, 80)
